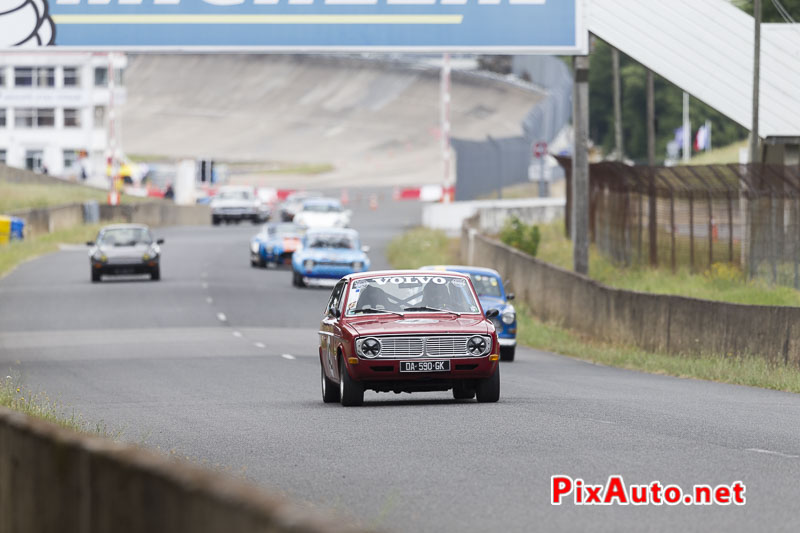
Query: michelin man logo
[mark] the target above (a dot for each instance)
(25, 23)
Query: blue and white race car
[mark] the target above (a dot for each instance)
(326, 255)
(275, 244)
(492, 295)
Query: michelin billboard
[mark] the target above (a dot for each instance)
(499, 26)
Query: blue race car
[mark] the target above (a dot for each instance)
(326, 255)
(275, 244)
(492, 295)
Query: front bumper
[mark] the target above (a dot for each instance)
(385, 376)
(507, 342)
(143, 267)
(236, 215)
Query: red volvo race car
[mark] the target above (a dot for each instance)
(407, 331)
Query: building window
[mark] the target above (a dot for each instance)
(34, 77)
(101, 76)
(2, 118)
(30, 117)
(99, 116)
(34, 160)
(72, 77)
(72, 118)
(3, 156)
(70, 158)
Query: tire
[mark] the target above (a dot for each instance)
(330, 392)
(96, 276)
(351, 392)
(155, 274)
(462, 393)
(507, 353)
(488, 390)
(297, 280)
(215, 221)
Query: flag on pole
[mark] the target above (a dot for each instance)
(701, 140)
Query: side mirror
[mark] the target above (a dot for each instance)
(89, 243)
(160, 241)
(491, 313)
(334, 312)
(365, 249)
(510, 296)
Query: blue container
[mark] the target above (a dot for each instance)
(17, 228)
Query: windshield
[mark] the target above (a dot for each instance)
(125, 237)
(321, 240)
(322, 208)
(486, 285)
(284, 230)
(410, 294)
(234, 195)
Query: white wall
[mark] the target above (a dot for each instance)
(450, 217)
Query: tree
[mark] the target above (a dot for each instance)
(769, 11)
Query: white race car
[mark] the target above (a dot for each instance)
(323, 213)
(232, 204)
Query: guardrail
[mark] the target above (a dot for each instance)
(55, 480)
(655, 322)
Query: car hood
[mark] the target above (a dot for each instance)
(420, 324)
(492, 302)
(124, 251)
(331, 254)
(311, 219)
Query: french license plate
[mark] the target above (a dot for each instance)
(424, 366)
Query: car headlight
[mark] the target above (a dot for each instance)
(100, 257)
(509, 316)
(358, 265)
(477, 345)
(308, 264)
(254, 247)
(369, 347)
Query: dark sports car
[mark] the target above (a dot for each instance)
(125, 249)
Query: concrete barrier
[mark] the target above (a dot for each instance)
(492, 214)
(672, 324)
(55, 480)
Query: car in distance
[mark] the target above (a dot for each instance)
(275, 244)
(294, 203)
(234, 204)
(493, 295)
(407, 331)
(322, 213)
(125, 249)
(326, 255)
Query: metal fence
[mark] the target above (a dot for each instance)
(697, 216)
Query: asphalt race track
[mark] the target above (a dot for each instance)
(218, 361)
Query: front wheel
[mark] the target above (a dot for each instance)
(330, 392)
(507, 353)
(155, 274)
(297, 280)
(488, 390)
(96, 276)
(351, 392)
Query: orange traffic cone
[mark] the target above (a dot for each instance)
(345, 198)
(373, 202)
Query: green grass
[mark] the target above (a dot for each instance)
(16, 196)
(17, 397)
(15, 252)
(424, 246)
(751, 371)
(723, 154)
(721, 282)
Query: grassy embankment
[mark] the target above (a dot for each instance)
(422, 246)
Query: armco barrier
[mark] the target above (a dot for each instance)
(672, 324)
(55, 480)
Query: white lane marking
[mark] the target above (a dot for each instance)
(204, 285)
(209, 300)
(204, 275)
(259, 345)
(237, 334)
(600, 421)
(287, 356)
(770, 452)
(221, 317)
